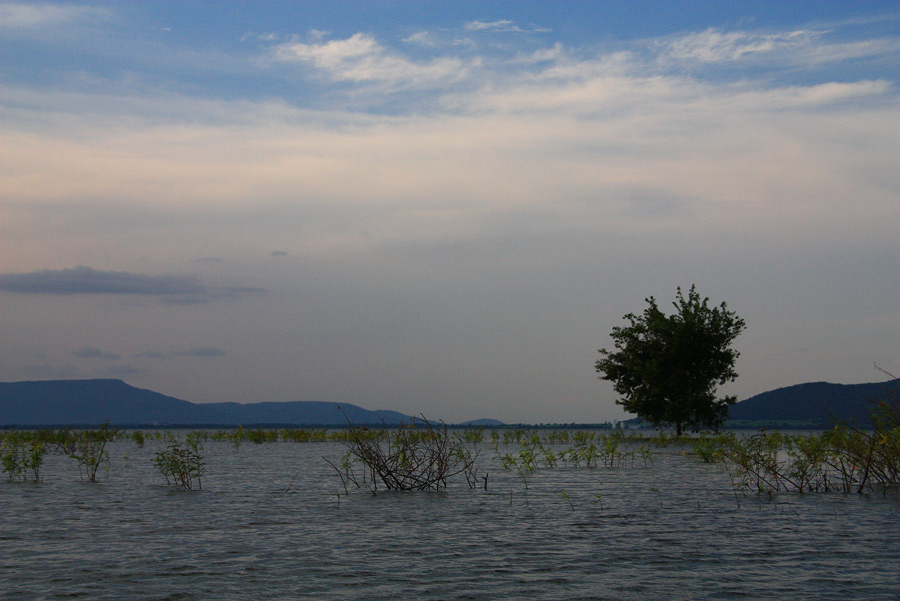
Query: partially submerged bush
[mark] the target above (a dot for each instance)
(181, 464)
(19, 457)
(88, 449)
(839, 459)
(578, 449)
(416, 456)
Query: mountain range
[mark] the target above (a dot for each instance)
(92, 402)
(814, 404)
(56, 403)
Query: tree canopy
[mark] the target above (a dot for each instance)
(668, 367)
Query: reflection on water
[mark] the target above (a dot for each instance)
(272, 522)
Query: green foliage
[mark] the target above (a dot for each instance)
(19, 457)
(560, 448)
(89, 450)
(473, 435)
(667, 367)
(839, 459)
(182, 463)
(709, 449)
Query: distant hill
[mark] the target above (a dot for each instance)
(57, 403)
(815, 404)
(483, 423)
(305, 412)
(93, 402)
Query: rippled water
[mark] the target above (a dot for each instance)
(269, 524)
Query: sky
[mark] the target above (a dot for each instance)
(443, 208)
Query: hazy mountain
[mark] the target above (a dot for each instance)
(85, 402)
(818, 403)
(305, 412)
(93, 402)
(70, 402)
(483, 423)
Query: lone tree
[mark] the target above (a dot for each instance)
(667, 367)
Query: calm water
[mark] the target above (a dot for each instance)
(269, 524)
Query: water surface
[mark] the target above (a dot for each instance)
(272, 522)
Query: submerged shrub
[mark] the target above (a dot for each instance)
(89, 450)
(710, 449)
(181, 464)
(841, 459)
(580, 449)
(19, 458)
(416, 456)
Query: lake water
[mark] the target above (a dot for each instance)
(272, 522)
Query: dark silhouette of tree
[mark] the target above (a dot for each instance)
(667, 367)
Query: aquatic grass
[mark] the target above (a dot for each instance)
(473, 435)
(303, 435)
(579, 449)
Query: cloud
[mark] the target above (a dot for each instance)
(176, 289)
(90, 352)
(21, 16)
(422, 38)
(503, 25)
(360, 58)
(149, 355)
(261, 37)
(539, 200)
(713, 45)
(206, 351)
(806, 47)
(86, 280)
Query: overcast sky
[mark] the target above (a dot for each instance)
(442, 207)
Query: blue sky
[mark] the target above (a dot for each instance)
(442, 208)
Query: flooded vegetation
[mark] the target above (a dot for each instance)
(506, 514)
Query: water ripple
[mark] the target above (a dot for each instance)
(272, 522)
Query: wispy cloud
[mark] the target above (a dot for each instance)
(713, 45)
(91, 352)
(422, 38)
(360, 58)
(808, 47)
(20, 15)
(260, 37)
(87, 280)
(503, 25)
(203, 351)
